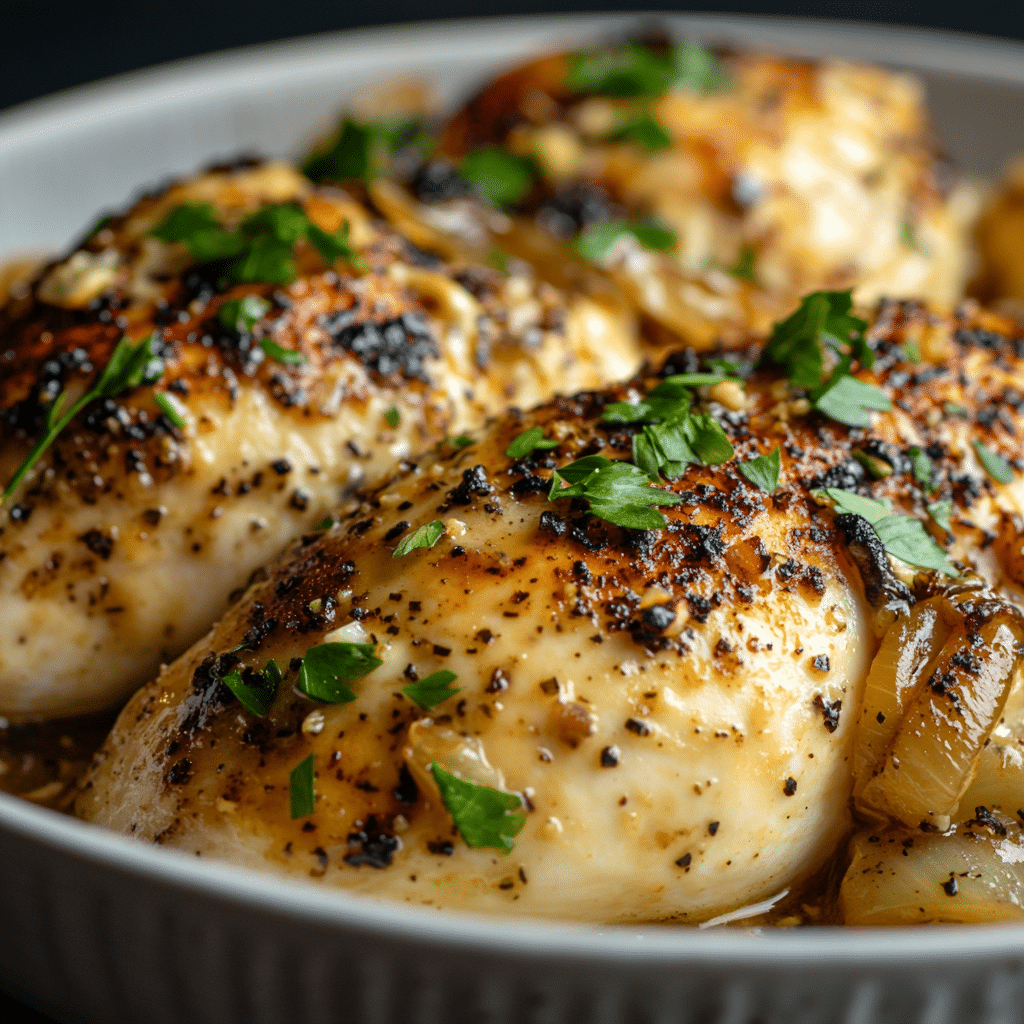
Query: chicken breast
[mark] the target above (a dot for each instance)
(716, 189)
(582, 707)
(314, 349)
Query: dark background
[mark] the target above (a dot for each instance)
(48, 45)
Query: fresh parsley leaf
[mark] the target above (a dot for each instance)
(667, 400)
(266, 259)
(393, 417)
(301, 788)
(763, 470)
(360, 149)
(500, 176)
(636, 69)
(481, 814)
(327, 523)
(848, 400)
(617, 492)
(242, 315)
(725, 368)
(902, 536)
(197, 226)
(923, 470)
(995, 465)
(940, 512)
(288, 356)
(425, 536)
(527, 441)
(595, 243)
(335, 247)
(171, 408)
(258, 696)
(955, 409)
(911, 350)
(646, 131)
(821, 321)
(130, 364)
(434, 690)
(746, 264)
(460, 442)
(324, 668)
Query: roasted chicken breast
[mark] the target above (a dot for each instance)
(523, 677)
(717, 189)
(297, 345)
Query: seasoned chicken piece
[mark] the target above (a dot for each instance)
(999, 232)
(716, 189)
(473, 693)
(284, 345)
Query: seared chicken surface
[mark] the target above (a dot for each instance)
(749, 180)
(672, 714)
(270, 395)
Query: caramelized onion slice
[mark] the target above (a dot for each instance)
(972, 875)
(936, 746)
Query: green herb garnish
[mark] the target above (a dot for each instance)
(902, 536)
(130, 364)
(425, 536)
(923, 470)
(955, 409)
(940, 512)
(911, 350)
(242, 315)
(636, 69)
(617, 492)
(481, 814)
(262, 247)
(171, 408)
(646, 131)
(746, 264)
(327, 523)
(257, 696)
(325, 667)
(360, 149)
(596, 242)
(433, 690)
(763, 470)
(724, 367)
(288, 356)
(995, 465)
(460, 442)
(849, 400)
(393, 417)
(529, 440)
(877, 467)
(500, 176)
(301, 788)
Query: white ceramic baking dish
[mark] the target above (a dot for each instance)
(96, 928)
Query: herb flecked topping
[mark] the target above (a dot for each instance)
(481, 814)
(433, 690)
(325, 669)
(528, 441)
(501, 177)
(360, 149)
(301, 788)
(259, 692)
(425, 536)
(595, 243)
(763, 470)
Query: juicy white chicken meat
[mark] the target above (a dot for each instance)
(631, 722)
(276, 385)
(772, 177)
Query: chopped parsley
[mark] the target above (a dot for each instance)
(242, 315)
(501, 177)
(325, 668)
(171, 407)
(288, 356)
(460, 442)
(955, 409)
(617, 492)
(923, 470)
(393, 417)
(636, 69)
(595, 243)
(261, 248)
(130, 364)
(763, 470)
(528, 441)
(911, 350)
(425, 536)
(433, 690)
(877, 467)
(360, 149)
(301, 788)
(726, 368)
(481, 814)
(995, 465)
(746, 264)
(902, 536)
(940, 512)
(850, 401)
(327, 523)
(259, 693)
(646, 131)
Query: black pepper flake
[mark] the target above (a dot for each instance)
(684, 861)
(829, 711)
(610, 757)
(396, 531)
(638, 727)
(549, 522)
(499, 681)
(441, 847)
(659, 617)
(442, 652)
(20, 513)
(713, 827)
(821, 662)
(789, 786)
(180, 772)
(300, 500)
(950, 887)
(879, 718)
(281, 467)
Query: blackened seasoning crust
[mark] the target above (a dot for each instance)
(377, 847)
(402, 345)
